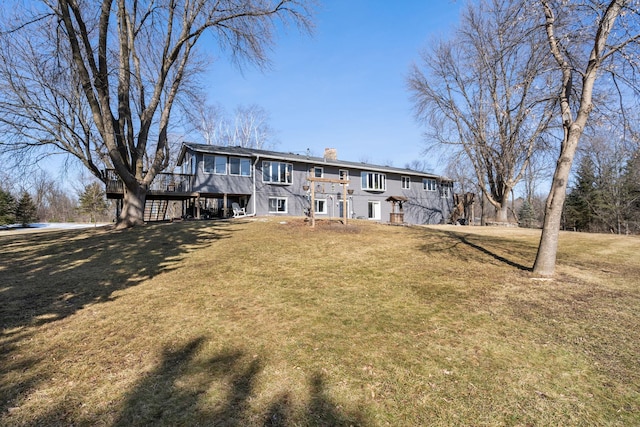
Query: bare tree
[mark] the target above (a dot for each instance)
(483, 93)
(209, 120)
(249, 127)
(418, 165)
(586, 40)
(99, 79)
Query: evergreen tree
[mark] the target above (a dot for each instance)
(7, 208)
(631, 186)
(92, 201)
(527, 215)
(26, 210)
(578, 206)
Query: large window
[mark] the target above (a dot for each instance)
(429, 184)
(277, 205)
(238, 166)
(374, 181)
(277, 172)
(215, 164)
(406, 182)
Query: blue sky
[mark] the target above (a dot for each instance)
(344, 86)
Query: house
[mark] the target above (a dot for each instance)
(215, 179)
(275, 183)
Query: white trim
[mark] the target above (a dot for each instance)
(378, 181)
(345, 176)
(407, 179)
(288, 172)
(278, 200)
(321, 212)
(377, 210)
(429, 184)
(241, 159)
(215, 157)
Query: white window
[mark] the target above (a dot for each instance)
(429, 184)
(321, 206)
(277, 172)
(374, 210)
(374, 181)
(318, 172)
(406, 182)
(344, 175)
(215, 164)
(238, 166)
(444, 191)
(277, 205)
(208, 163)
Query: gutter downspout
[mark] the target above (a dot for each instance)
(254, 184)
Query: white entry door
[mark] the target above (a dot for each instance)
(374, 210)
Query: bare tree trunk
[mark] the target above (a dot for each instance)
(502, 213)
(548, 248)
(573, 127)
(132, 213)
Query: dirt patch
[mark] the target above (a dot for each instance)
(326, 225)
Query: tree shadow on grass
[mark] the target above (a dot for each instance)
(48, 276)
(483, 244)
(174, 394)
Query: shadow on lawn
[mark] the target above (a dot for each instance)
(485, 245)
(174, 394)
(49, 276)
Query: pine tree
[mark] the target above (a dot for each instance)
(26, 210)
(7, 208)
(579, 204)
(527, 215)
(631, 188)
(92, 201)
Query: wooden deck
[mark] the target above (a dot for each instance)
(165, 186)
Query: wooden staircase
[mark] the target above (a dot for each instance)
(155, 210)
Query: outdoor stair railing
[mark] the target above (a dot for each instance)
(162, 183)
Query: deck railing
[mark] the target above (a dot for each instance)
(162, 183)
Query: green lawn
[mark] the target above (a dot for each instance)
(265, 322)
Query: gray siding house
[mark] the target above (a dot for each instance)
(275, 183)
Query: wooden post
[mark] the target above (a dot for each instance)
(225, 208)
(312, 211)
(344, 203)
(343, 182)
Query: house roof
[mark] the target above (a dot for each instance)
(300, 158)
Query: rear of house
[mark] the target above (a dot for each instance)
(275, 183)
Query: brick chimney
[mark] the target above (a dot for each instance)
(330, 154)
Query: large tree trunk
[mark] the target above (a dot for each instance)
(547, 250)
(502, 213)
(132, 207)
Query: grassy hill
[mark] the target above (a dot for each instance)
(265, 322)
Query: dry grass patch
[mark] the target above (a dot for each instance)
(258, 322)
